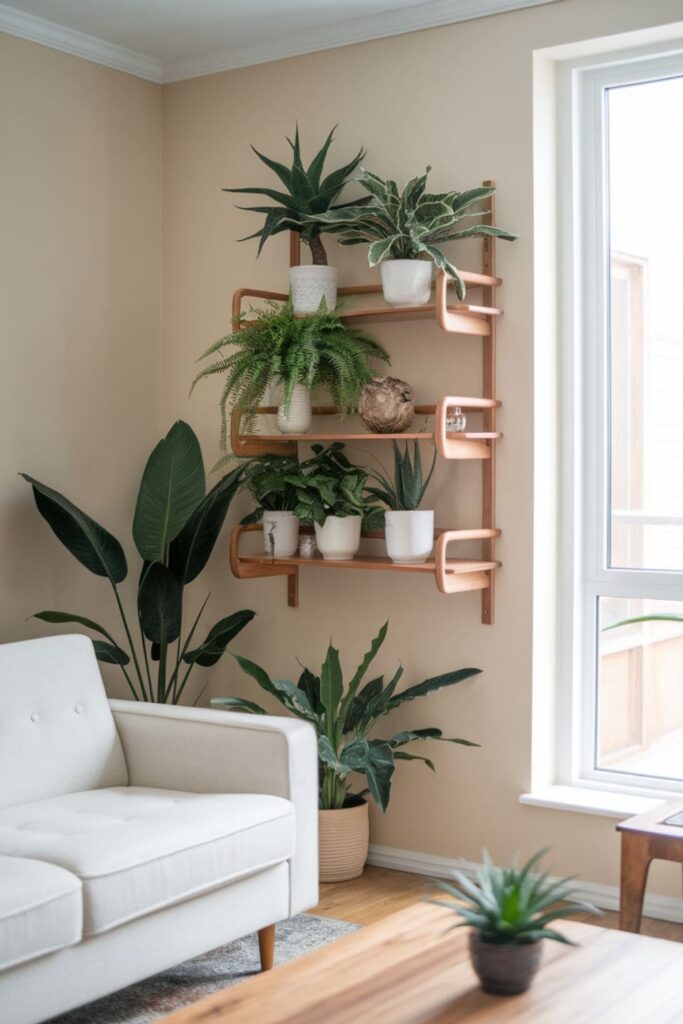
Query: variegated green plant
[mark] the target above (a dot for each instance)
(343, 715)
(411, 224)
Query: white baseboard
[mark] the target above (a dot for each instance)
(664, 908)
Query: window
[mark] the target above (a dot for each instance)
(624, 679)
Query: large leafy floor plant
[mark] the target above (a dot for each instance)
(175, 527)
(344, 715)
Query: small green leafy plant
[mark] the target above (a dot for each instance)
(328, 484)
(175, 527)
(275, 347)
(268, 478)
(344, 714)
(307, 196)
(512, 905)
(411, 224)
(405, 492)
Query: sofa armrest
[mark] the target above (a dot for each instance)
(200, 750)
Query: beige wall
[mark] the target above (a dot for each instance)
(80, 286)
(459, 98)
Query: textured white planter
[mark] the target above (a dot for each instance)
(309, 285)
(407, 282)
(280, 534)
(297, 419)
(343, 838)
(338, 539)
(409, 536)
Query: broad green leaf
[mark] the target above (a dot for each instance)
(375, 760)
(380, 250)
(402, 755)
(218, 638)
(111, 654)
(60, 618)
(431, 685)
(159, 604)
(173, 485)
(93, 546)
(331, 684)
(191, 549)
(238, 704)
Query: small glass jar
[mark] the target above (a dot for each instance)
(307, 548)
(456, 421)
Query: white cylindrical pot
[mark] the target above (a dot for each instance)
(309, 284)
(409, 536)
(407, 282)
(338, 539)
(297, 419)
(280, 534)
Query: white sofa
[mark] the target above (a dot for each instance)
(134, 836)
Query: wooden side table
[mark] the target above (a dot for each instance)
(645, 838)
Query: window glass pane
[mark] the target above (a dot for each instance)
(645, 149)
(640, 688)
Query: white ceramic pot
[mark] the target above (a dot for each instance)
(343, 838)
(280, 534)
(409, 536)
(407, 282)
(338, 539)
(310, 284)
(297, 419)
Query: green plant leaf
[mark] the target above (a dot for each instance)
(218, 638)
(62, 618)
(111, 654)
(92, 545)
(238, 704)
(331, 683)
(402, 755)
(173, 485)
(159, 604)
(375, 760)
(191, 549)
(431, 685)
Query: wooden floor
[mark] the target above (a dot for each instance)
(380, 892)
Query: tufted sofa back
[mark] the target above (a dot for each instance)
(57, 734)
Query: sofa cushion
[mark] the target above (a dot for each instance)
(57, 734)
(41, 910)
(137, 849)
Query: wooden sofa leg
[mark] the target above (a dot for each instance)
(266, 945)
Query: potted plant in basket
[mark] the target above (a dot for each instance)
(268, 478)
(343, 715)
(332, 497)
(302, 355)
(307, 195)
(405, 232)
(409, 530)
(509, 910)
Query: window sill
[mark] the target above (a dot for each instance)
(591, 801)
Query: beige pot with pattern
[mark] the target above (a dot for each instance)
(344, 836)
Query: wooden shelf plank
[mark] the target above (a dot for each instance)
(457, 566)
(367, 436)
(463, 318)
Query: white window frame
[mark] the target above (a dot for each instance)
(583, 286)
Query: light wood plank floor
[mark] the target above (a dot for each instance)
(379, 892)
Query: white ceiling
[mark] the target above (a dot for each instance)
(165, 40)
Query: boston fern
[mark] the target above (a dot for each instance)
(410, 224)
(307, 196)
(343, 715)
(275, 347)
(175, 527)
(406, 491)
(512, 905)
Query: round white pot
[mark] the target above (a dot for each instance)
(280, 534)
(309, 285)
(297, 419)
(407, 282)
(338, 539)
(409, 536)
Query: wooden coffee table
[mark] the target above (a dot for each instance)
(644, 838)
(408, 969)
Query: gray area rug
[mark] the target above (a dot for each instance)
(171, 990)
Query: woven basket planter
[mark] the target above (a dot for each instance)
(344, 836)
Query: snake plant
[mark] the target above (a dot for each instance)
(308, 195)
(410, 224)
(406, 491)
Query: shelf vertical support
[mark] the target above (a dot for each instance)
(489, 391)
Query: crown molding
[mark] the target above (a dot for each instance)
(344, 33)
(294, 44)
(40, 30)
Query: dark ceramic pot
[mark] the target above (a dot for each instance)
(504, 970)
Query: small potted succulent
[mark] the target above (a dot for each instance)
(300, 354)
(408, 529)
(307, 195)
(332, 496)
(343, 714)
(509, 910)
(268, 478)
(406, 230)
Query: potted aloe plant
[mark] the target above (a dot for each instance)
(268, 478)
(509, 910)
(405, 232)
(274, 347)
(343, 714)
(332, 497)
(408, 529)
(307, 195)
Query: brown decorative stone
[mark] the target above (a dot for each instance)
(386, 405)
